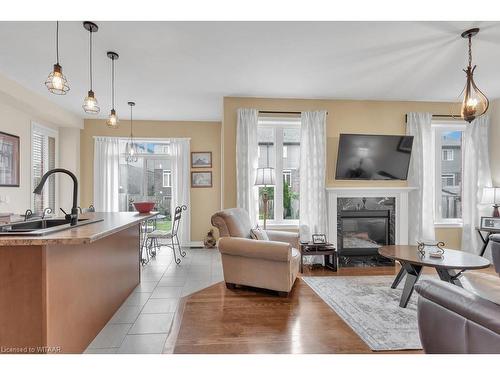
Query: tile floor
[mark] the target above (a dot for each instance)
(142, 324)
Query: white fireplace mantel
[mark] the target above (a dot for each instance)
(400, 194)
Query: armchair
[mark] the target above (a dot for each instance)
(272, 264)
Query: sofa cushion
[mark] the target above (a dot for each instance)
(260, 234)
(483, 285)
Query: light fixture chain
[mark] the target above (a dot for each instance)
(470, 51)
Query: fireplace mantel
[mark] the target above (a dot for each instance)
(400, 194)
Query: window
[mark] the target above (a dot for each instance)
(279, 147)
(447, 138)
(147, 179)
(167, 178)
(43, 159)
(447, 154)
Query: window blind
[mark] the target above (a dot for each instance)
(43, 159)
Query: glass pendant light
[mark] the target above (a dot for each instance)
(474, 103)
(90, 104)
(112, 120)
(56, 81)
(131, 147)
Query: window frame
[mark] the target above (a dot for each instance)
(53, 133)
(279, 124)
(167, 172)
(438, 128)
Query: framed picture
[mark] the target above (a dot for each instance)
(201, 159)
(9, 160)
(201, 179)
(319, 238)
(490, 223)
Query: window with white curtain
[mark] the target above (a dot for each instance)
(279, 147)
(448, 146)
(43, 159)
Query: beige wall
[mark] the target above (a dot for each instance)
(205, 136)
(19, 108)
(344, 116)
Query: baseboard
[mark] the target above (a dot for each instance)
(196, 244)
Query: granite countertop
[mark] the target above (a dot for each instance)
(113, 222)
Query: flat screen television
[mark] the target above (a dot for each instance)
(373, 157)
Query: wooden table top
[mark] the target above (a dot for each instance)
(453, 259)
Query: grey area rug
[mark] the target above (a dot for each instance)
(371, 308)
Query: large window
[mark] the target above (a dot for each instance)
(43, 159)
(448, 139)
(147, 179)
(279, 147)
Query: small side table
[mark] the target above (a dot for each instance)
(325, 249)
(485, 239)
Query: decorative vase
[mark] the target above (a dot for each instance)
(209, 240)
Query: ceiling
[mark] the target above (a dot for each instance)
(182, 70)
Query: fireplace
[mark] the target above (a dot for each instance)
(363, 226)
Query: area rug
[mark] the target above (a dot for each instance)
(371, 308)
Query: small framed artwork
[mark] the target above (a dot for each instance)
(201, 159)
(490, 223)
(201, 179)
(319, 238)
(9, 160)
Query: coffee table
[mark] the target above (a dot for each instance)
(448, 268)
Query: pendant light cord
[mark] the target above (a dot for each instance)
(113, 82)
(131, 124)
(90, 60)
(57, 42)
(470, 51)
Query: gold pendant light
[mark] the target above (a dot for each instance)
(90, 104)
(56, 81)
(474, 103)
(112, 120)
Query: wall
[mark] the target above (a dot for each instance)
(205, 136)
(494, 137)
(344, 116)
(20, 107)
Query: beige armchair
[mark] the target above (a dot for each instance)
(272, 264)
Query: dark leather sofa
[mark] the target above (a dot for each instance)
(454, 320)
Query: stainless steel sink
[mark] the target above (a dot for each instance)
(42, 227)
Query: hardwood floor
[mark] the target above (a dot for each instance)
(220, 320)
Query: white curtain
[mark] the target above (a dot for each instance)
(312, 197)
(247, 162)
(106, 174)
(476, 176)
(421, 176)
(181, 185)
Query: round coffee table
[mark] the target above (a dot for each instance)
(412, 263)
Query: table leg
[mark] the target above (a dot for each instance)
(413, 273)
(399, 277)
(448, 276)
(301, 263)
(485, 244)
(331, 265)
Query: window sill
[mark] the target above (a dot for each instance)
(448, 225)
(293, 224)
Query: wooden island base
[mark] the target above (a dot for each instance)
(56, 297)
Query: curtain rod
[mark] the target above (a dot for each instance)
(441, 116)
(283, 112)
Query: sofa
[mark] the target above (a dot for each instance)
(461, 320)
(267, 264)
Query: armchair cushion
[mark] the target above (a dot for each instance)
(259, 234)
(270, 250)
(282, 236)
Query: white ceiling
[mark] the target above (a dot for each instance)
(182, 70)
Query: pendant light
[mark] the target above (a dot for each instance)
(56, 81)
(90, 104)
(474, 103)
(131, 147)
(112, 120)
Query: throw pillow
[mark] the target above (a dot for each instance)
(259, 234)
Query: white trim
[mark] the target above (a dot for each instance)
(146, 139)
(196, 244)
(450, 224)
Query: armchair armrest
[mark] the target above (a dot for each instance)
(244, 247)
(462, 302)
(282, 236)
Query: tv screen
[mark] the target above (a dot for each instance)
(373, 157)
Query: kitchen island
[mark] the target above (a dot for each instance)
(57, 291)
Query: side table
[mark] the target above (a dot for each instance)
(325, 249)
